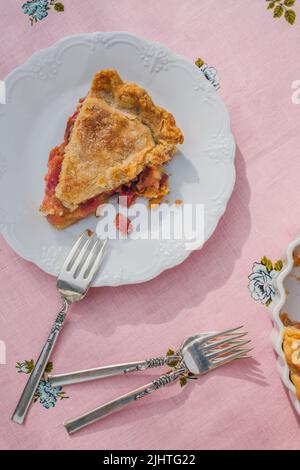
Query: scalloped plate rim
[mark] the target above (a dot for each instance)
(276, 333)
(151, 275)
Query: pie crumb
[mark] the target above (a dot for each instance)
(178, 202)
(98, 211)
(154, 202)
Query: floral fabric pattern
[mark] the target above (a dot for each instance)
(46, 394)
(209, 73)
(281, 9)
(37, 10)
(261, 284)
(183, 380)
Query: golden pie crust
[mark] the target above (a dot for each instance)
(117, 140)
(291, 348)
(119, 131)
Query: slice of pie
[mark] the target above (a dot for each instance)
(116, 141)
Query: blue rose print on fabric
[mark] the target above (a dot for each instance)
(261, 285)
(46, 394)
(37, 10)
(209, 73)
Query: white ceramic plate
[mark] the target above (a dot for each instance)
(43, 92)
(287, 300)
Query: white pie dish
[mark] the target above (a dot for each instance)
(43, 92)
(286, 300)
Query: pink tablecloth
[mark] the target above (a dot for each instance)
(244, 406)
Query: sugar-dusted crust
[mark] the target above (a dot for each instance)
(291, 347)
(119, 131)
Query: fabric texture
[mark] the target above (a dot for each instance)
(241, 406)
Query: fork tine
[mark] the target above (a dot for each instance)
(221, 351)
(229, 340)
(237, 355)
(81, 257)
(92, 270)
(222, 333)
(91, 257)
(74, 251)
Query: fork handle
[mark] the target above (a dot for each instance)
(39, 368)
(108, 371)
(114, 405)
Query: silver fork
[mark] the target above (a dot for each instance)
(198, 355)
(95, 373)
(74, 280)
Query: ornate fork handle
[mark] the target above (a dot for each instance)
(39, 368)
(114, 405)
(109, 371)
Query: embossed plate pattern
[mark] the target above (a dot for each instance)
(43, 92)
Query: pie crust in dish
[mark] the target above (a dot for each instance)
(291, 348)
(116, 141)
